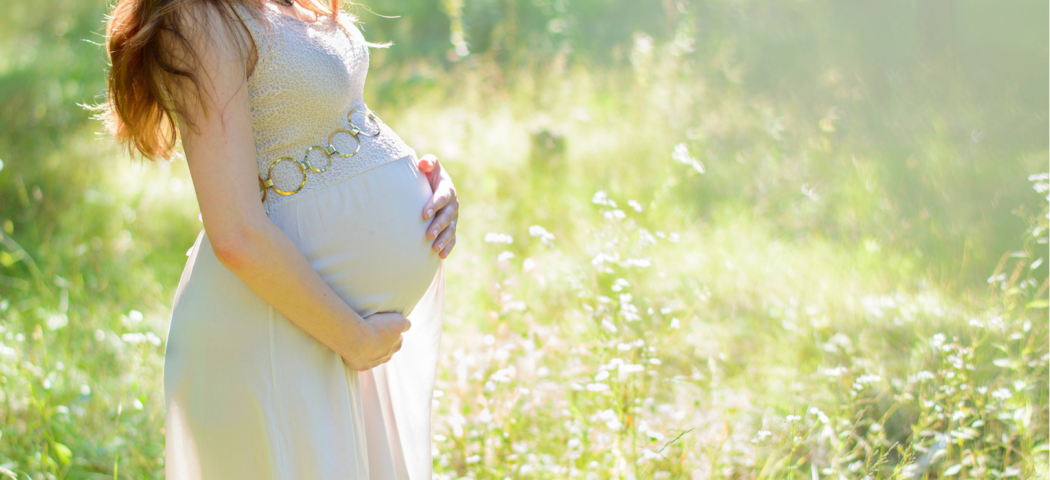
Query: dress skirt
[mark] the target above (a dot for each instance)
(250, 395)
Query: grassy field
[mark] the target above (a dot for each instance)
(731, 250)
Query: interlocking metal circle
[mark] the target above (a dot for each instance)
(306, 158)
(269, 174)
(371, 116)
(352, 134)
(328, 150)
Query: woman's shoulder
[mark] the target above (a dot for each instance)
(206, 26)
(255, 16)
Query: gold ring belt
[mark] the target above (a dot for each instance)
(328, 150)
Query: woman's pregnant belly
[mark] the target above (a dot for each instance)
(366, 236)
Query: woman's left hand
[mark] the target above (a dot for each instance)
(443, 207)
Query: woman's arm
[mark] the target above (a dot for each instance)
(217, 137)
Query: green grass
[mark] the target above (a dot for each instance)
(854, 287)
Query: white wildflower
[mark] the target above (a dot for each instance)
(545, 237)
(7, 353)
(645, 237)
(834, 372)
(630, 314)
(681, 155)
(865, 379)
(514, 306)
(810, 192)
(602, 258)
(925, 375)
(133, 338)
(611, 419)
(493, 237)
(600, 198)
(632, 368)
(650, 455)
(57, 321)
(503, 375)
(637, 262)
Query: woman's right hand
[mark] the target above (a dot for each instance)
(382, 339)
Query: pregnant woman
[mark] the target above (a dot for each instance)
(304, 332)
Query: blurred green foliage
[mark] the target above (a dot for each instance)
(841, 153)
(942, 102)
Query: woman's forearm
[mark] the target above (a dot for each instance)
(215, 126)
(263, 256)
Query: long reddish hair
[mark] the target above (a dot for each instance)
(141, 38)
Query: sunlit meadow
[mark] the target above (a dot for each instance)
(742, 240)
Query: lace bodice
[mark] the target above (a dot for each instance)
(307, 79)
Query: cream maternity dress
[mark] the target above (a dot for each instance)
(249, 394)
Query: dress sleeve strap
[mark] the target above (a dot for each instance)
(261, 29)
